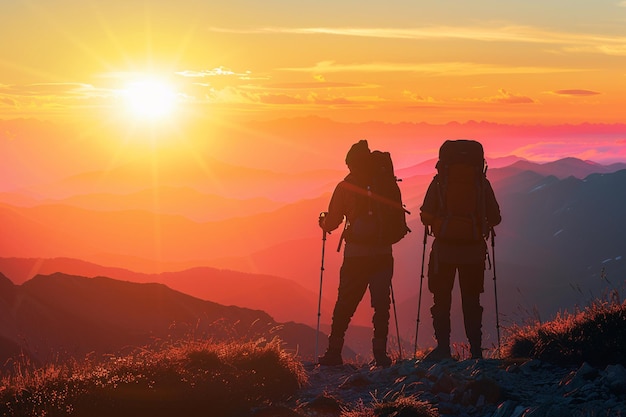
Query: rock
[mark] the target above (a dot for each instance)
(356, 380)
(508, 409)
(615, 379)
(486, 388)
(435, 371)
(444, 384)
(530, 366)
(483, 388)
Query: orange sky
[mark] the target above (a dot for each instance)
(521, 62)
(176, 74)
(228, 96)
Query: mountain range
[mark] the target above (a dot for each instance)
(559, 245)
(59, 316)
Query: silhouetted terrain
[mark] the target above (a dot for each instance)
(559, 245)
(59, 316)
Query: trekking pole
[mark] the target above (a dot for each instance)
(319, 302)
(419, 302)
(395, 315)
(495, 289)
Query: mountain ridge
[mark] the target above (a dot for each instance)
(289, 247)
(67, 315)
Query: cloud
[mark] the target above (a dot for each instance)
(433, 68)
(576, 92)
(597, 151)
(7, 101)
(508, 98)
(334, 101)
(573, 42)
(52, 89)
(53, 95)
(279, 99)
(417, 97)
(312, 85)
(504, 97)
(218, 72)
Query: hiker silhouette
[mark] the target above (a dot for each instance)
(365, 264)
(460, 209)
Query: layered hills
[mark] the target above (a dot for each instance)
(559, 245)
(51, 317)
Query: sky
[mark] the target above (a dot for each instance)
(558, 61)
(141, 64)
(204, 91)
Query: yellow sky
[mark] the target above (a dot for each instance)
(510, 62)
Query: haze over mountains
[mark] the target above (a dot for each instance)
(60, 316)
(248, 236)
(562, 232)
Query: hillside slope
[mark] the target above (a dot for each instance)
(59, 315)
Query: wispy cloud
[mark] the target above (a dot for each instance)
(53, 89)
(7, 101)
(503, 97)
(279, 99)
(583, 42)
(506, 97)
(576, 92)
(596, 151)
(434, 68)
(313, 85)
(215, 72)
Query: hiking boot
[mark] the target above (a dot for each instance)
(330, 358)
(439, 353)
(476, 352)
(379, 348)
(382, 360)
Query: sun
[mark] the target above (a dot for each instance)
(150, 99)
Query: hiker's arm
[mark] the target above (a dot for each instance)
(430, 207)
(492, 209)
(336, 210)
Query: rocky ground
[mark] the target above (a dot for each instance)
(471, 388)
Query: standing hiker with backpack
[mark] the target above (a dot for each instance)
(369, 201)
(460, 209)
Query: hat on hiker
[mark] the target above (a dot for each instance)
(358, 155)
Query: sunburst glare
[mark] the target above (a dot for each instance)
(150, 99)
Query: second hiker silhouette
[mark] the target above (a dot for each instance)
(460, 208)
(368, 260)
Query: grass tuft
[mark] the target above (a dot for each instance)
(401, 406)
(191, 378)
(596, 335)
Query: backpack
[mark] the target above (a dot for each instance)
(461, 178)
(380, 214)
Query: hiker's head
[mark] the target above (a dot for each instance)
(358, 157)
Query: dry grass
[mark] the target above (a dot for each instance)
(596, 335)
(190, 378)
(400, 406)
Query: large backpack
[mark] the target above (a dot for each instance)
(380, 213)
(461, 178)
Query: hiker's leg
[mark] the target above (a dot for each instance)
(379, 285)
(352, 287)
(381, 272)
(471, 282)
(440, 282)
